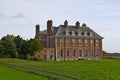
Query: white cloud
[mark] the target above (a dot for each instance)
(18, 15)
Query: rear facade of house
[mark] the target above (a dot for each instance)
(69, 42)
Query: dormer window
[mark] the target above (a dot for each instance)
(76, 33)
(73, 33)
(91, 35)
(88, 33)
(70, 32)
(79, 33)
(67, 33)
(85, 33)
(82, 33)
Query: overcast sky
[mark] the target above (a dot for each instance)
(19, 17)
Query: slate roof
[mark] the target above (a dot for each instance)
(73, 31)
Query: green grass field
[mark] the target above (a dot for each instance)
(79, 70)
(7, 73)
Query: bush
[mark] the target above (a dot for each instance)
(37, 58)
(15, 55)
(27, 56)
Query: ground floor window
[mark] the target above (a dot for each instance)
(86, 53)
(80, 53)
(50, 56)
(74, 53)
(92, 53)
(68, 54)
(44, 56)
(97, 53)
(61, 53)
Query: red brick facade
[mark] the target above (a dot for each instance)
(60, 45)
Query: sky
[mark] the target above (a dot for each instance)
(19, 17)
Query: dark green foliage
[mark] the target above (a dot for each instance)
(36, 58)
(34, 45)
(16, 47)
(8, 47)
(28, 57)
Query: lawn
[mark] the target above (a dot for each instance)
(7, 73)
(79, 70)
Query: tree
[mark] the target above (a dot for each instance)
(8, 47)
(34, 46)
(19, 43)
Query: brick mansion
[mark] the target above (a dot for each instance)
(69, 42)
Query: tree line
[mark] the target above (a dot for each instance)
(16, 47)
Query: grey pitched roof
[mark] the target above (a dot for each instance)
(73, 31)
(55, 29)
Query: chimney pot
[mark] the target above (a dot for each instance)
(77, 24)
(66, 23)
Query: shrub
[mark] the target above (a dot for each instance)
(27, 56)
(37, 58)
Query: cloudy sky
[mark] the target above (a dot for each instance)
(19, 17)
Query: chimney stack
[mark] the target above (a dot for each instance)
(37, 31)
(84, 25)
(49, 25)
(78, 24)
(66, 23)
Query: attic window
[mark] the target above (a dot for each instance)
(70, 33)
(64, 32)
(73, 33)
(88, 33)
(79, 33)
(85, 33)
(82, 33)
(76, 33)
(67, 33)
(91, 34)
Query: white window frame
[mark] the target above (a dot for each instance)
(61, 41)
(97, 42)
(79, 33)
(91, 42)
(86, 42)
(61, 53)
(68, 52)
(80, 41)
(80, 53)
(74, 41)
(74, 53)
(67, 41)
(73, 33)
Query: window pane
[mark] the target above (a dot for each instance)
(67, 52)
(61, 41)
(74, 53)
(61, 53)
(80, 53)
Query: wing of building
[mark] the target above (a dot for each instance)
(69, 42)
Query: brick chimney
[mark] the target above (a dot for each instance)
(77, 24)
(37, 31)
(66, 23)
(84, 25)
(49, 25)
